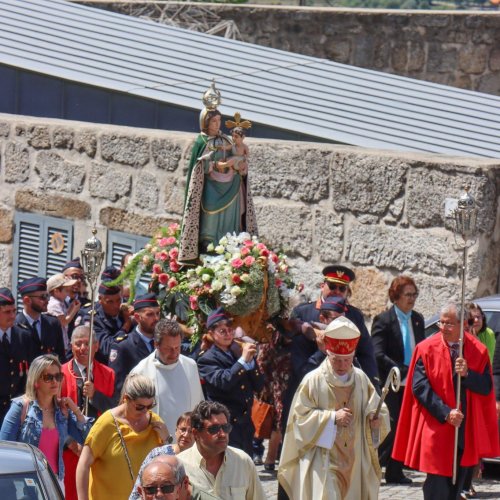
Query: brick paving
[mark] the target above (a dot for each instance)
(485, 488)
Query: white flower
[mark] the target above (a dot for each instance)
(219, 249)
(216, 285)
(206, 278)
(210, 247)
(236, 255)
(235, 291)
(223, 241)
(245, 278)
(227, 255)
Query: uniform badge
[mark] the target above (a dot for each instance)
(113, 354)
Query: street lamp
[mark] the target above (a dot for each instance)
(465, 218)
(92, 258)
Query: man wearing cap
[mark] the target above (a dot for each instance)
(58, 287)
(336, 284)
(127, 350)
(45, 331)
(113, 320)
(15, 344)
(73, 270)
(231, 376)
(176, 377)
(329, 450)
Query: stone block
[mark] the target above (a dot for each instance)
(364, 50)
(63, 137)
(369, 291)
(495, 59)
(86, 142)
(382, 54)
(366, 183)
(4, 129)
(126, 149)
(399, 57)
(57, 174)
(17, 162)
(472, 59)
(166, 154)
(416, 56)
(6, 225)
(29, 200)
(297, 172)
(286, 227)
(338, 50)
(429, 186)
(441, 58)
(146, 191)
(308, 274)
(174, 195)
(38, 136)
(6, 266)
(119, 219)
(400, 249)
(435, 292)
(489, 83)
(328, 235)
(108, 182)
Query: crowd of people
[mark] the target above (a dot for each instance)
(140, 413)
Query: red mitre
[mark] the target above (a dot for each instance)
(341, 336)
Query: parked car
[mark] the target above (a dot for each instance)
(25, 474)
(490, 306)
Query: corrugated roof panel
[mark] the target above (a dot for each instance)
(288, 91)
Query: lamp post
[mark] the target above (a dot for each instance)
(465, 217)
(92, 258)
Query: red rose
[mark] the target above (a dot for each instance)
(163, 278)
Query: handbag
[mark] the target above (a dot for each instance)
(262, 418)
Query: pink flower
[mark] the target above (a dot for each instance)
(236, 279)
(274, 258)
(174, 253)
(157, 268)
(174, 266)
(261, 246)
(264, 253)
(236, 263)
(248, 243)
(163, 256)
(249, 261)
(174, 227)
(163, 278)
(172, 282)
(193, 302)
(244, 251)
(163, 242)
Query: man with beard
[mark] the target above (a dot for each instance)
(211, 464)
(127, 350)
(45, 331)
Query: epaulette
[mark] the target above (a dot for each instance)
(120, 338)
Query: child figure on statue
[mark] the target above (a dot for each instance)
(240, 152)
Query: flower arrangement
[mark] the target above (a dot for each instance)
(240, 273)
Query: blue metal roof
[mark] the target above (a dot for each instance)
(308, 95)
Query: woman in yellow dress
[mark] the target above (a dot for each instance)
(118, 443)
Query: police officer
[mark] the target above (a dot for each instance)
(45, 331)
(73, 270)
(14, 353)
(128, 350)
(231, 377)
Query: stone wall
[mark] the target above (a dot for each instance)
(379, 212)
(457, 48)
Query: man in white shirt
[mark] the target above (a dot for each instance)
(211, 464)
(176, 377)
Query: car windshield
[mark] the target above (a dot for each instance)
(22, 486)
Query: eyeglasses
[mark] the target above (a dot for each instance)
(216, 428)
(49, 377)
(224, 331)
(444, 324)
(140, 407)
(44, 296)
(410, 295)
(335, 286)
(164, 488)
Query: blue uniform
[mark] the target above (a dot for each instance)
(125, 353)
(51, 341)
(228, 382)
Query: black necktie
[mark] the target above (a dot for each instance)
(5, 341)
(151, 345)
(35, 328)
(454, 354)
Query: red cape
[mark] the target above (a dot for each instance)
(104, 381)
(421, 441)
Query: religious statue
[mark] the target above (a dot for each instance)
(218, 199)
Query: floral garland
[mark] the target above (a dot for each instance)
(236, 274)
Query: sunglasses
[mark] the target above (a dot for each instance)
(335, 286)
(216, 428)
(140, 407)
(43, 296)
(49, 377)
(164, 488)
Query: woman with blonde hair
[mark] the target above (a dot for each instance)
(42, 419)
(119, 441)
